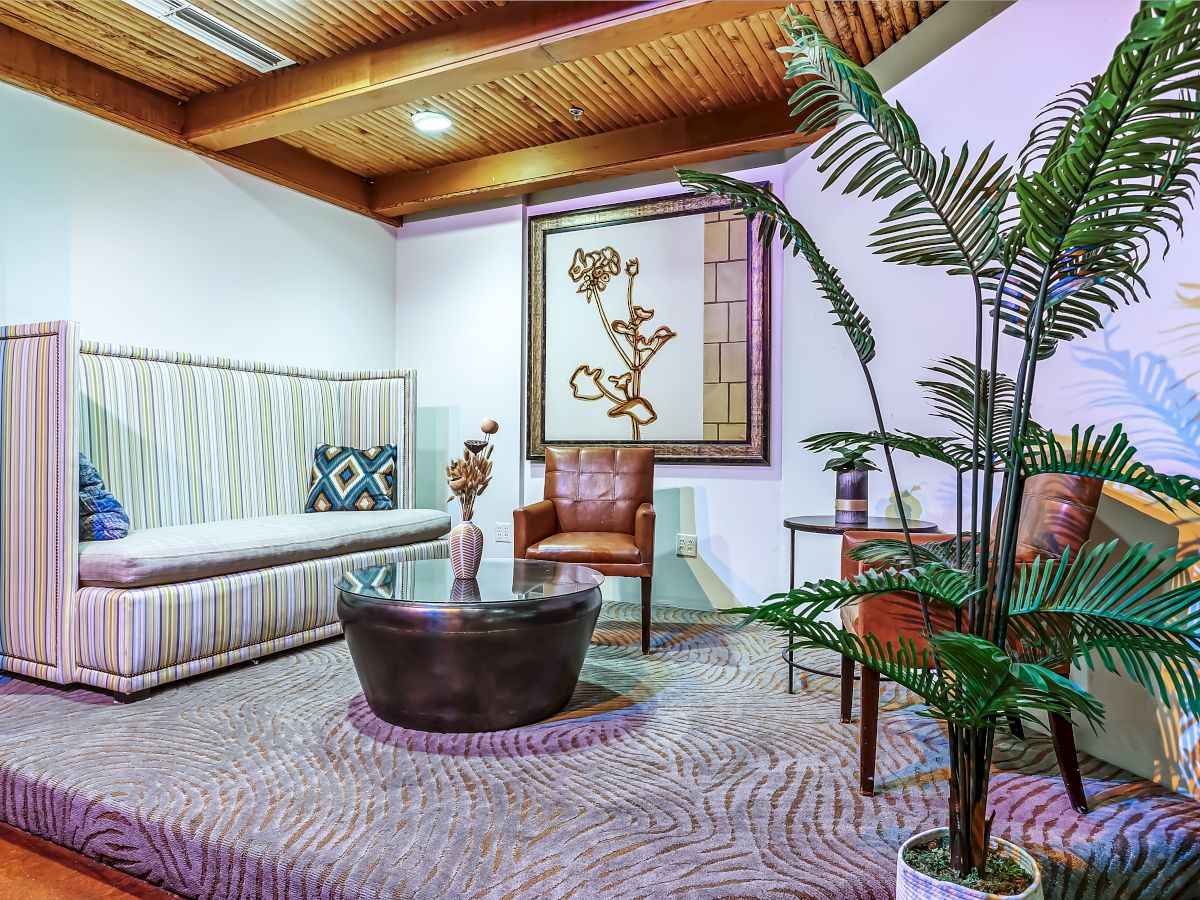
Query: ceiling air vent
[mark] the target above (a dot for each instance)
(217, 34)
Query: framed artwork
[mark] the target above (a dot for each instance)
(649, 325)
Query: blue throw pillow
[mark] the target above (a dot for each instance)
(101, 517)
(344, 478)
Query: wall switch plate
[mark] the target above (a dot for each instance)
(503, 533)
(685, 545)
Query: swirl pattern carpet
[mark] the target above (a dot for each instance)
(690, 773)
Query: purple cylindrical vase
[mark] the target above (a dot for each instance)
(850, 504)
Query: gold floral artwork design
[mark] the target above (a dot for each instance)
(593, 271)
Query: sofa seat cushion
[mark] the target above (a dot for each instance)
(587, 547)
(155, 556)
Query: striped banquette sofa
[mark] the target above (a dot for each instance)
(211, 459)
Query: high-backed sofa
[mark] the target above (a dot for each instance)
(211, 459)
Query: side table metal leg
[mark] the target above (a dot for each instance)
(791, 669)
(791, 587)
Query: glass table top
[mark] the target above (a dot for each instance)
(499, 581)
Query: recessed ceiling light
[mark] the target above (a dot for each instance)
(430, 122)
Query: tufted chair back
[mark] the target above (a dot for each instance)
(599, 488)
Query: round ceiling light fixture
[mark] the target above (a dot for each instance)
(430, 122)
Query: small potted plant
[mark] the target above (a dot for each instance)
(852, 466)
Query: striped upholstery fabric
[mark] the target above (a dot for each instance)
(180, 439)
(39, 477)
(383, 410)
(134, 639)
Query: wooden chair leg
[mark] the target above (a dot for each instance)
(847, 689)
(1063, 737)
(645, 616)
(868, 731)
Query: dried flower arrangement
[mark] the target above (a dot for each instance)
(469, 477)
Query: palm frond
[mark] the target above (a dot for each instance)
(902, 661)
(1081, 285)
(890, 552)
(946, 207)
(953, 396)
(756, 201)
(1056, 126)
(988, 686)
(1117, 174)
(1107, 456)
(1099, 606)
(941, 449)
(980, 686)
(936, 580)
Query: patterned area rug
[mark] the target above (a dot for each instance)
(690, 773)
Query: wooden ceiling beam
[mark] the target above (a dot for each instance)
(45, 69)
(492, 44)
(42, 68)
(644, 148)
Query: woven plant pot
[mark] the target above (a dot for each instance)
(913, 885)
(850, 503)
(466, 550)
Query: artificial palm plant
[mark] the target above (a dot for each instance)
(1043, 249)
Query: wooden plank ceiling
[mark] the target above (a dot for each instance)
(660, 83)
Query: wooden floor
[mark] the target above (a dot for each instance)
(33, 869)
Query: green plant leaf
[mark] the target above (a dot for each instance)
(890, 552)
(1117, 172)
(1082, 285)
(987, 686)
(757, 202)
(1107, 456)
(952, 398)
(942, 449)
(1103, 606)
(946, 208)
(981, 686)
(1056, 126)
(936, 580)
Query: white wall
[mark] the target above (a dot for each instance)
(458, 300)
(1000, 75)
(461, 301)
(148, 244)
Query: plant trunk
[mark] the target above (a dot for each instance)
(970, 777)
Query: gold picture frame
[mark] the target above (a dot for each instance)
(734, 325)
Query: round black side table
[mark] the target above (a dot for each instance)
(829, 525)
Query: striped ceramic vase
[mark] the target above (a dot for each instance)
(914, 885)
(466, 550)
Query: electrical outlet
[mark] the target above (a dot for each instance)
(503, 533)
(685, 545)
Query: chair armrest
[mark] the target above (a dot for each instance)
(643, 531)
(531, 524)
(894, 613)
(39, 457)
(852, 539)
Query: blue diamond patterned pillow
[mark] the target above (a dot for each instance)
(344, 478)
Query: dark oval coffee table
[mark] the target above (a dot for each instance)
(493, 652)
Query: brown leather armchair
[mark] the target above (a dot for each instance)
(1057, 512)
(598, 510)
